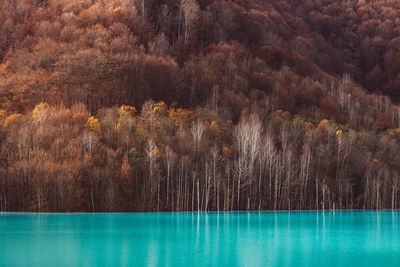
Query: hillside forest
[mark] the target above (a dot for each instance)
(199, 105)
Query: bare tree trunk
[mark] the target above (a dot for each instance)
(168, 170)
(323, 194)
(207, 189)
(193, 192)
(233, 193)
(316, 193)
(91, 195)
(392, 197)
(143, 10)
(178, 195)
(186, 191)
(198, 196)
(377, 187)
(218, 196)
(238, 192)
(158, 191)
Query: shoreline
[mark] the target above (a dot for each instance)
(200, 213)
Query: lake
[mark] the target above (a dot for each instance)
(191, 239)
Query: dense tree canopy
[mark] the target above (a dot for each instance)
(102, 53)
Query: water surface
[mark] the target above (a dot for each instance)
(191, 239)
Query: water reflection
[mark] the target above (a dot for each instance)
(193, 239)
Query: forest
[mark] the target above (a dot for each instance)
(208, 105)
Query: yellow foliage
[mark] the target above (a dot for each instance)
(179, 116)
(393, 131)
(348, 94)
(2, 116)
(127, 110)
(322, 125)
(339, 132)
(214, 126)
(126, 118)
(11, 119)
(375, 161)
(40, 112)
(160, 108)
(118, 10)
(155, 152)
(93, 124)
(323, 122)
(309, 125)
(126, 122)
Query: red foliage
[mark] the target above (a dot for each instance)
(331, 111)
(260, 81)
(383, 122)
(273, 56)
(78, 119)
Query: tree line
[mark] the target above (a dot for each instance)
(105, 53)
(166, 158)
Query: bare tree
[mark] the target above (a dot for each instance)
(215, 162)
(152, 154)
(170, 158)
(40, 113)
(241, 170)
(214, 98)
(148, 114)
(262, 158)
(395, 185)
(197, 131)
(270, 151)
(24, 143)
(305, 169)
(247, 139)
(190, 10)
(90, 142)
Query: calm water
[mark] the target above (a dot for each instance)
(188, 239)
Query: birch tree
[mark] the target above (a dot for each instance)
(152, 154)
(215, 162)
(90, 142)
(247, 139)
(197, 131)
(170, 158)
(190, 11)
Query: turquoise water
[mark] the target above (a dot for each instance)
(191, 239)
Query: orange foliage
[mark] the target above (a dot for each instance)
(93, 124)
